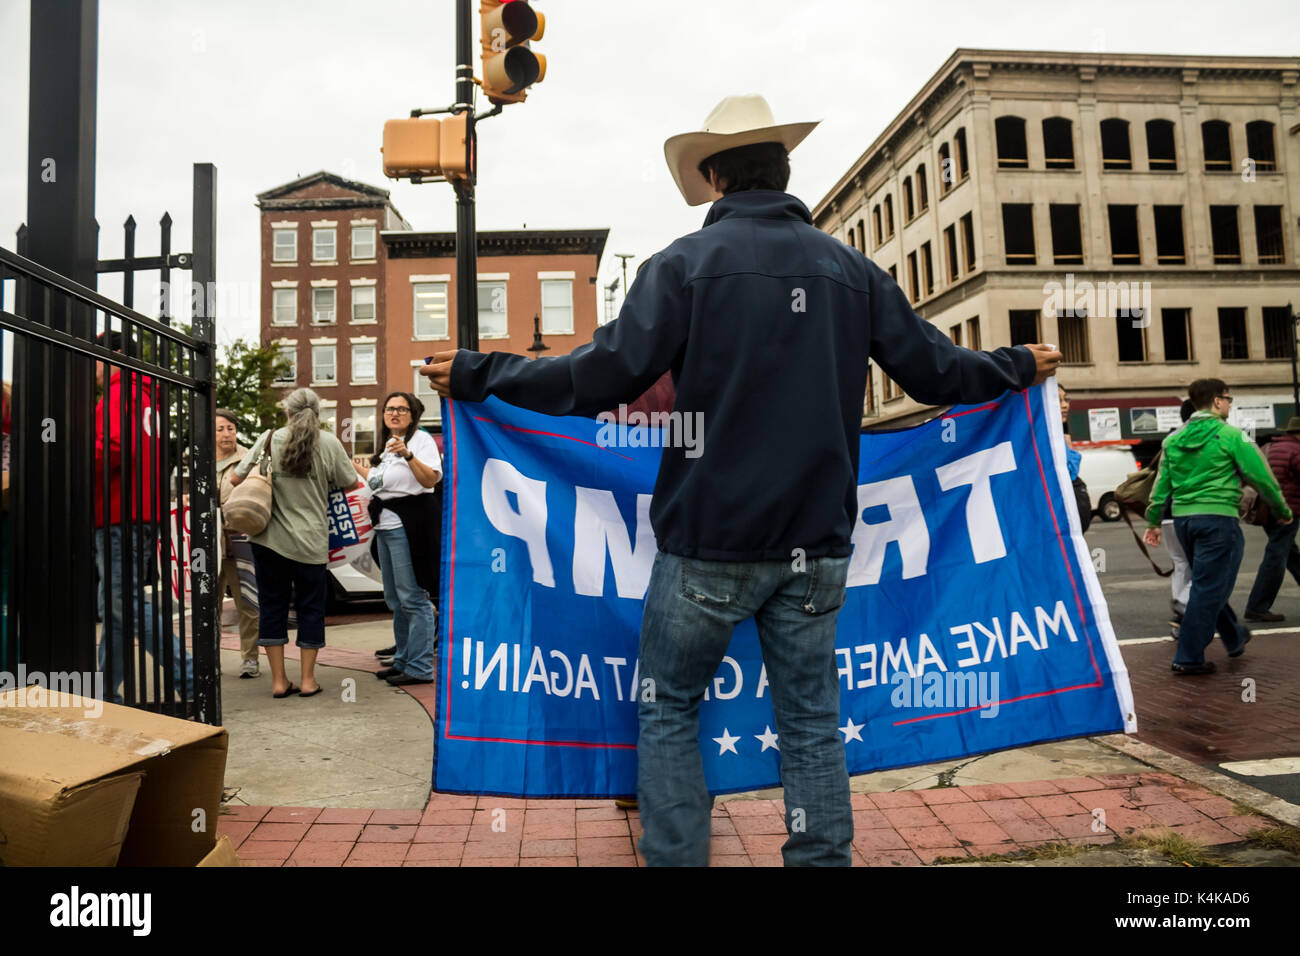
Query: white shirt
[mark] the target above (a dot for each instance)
(393, 478)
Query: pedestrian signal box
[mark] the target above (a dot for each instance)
(427, 147)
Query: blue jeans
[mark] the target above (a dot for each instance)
(691, 609)
(415, 628)
(1213, 545)
(142, 611)
(1280, 556)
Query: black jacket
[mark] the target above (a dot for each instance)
(766, 323)
(422, 521)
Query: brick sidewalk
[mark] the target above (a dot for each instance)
(900, 828)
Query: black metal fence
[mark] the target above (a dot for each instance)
(109, 555)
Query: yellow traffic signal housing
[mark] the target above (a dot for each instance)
(454, 157)
(412, 147)
(509, 66)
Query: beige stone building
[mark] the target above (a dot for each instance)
(1135, 210)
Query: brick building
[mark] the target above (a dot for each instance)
(356, 299)
(1139, 211)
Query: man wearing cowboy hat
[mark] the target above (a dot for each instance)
(1280, 554)
(766, 324)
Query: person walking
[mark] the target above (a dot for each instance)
(767, 324)
(403, 477)
(229, 454)
(1280, 554)
(291, 554)
(1202, 466)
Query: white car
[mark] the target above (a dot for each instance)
(1103, 470)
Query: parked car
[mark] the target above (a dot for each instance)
(1103, 470)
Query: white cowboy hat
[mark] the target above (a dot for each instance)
(736, 121)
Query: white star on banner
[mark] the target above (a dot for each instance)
(726, 742)
(850, 731)
(767, 738)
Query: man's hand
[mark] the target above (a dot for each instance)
(1046, 359)
(1152, 537)
(438, 368)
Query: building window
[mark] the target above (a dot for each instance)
(889, 217)
(492, 310)
(323, 244)
(849, 238)
(1232, 334)
(1067, 236)
(893, 273)
(287, 373)
(1018, 232)
(890, 387)
(1279, 334)
(869, 402)
(363, 303)
(1132, 338)
(1012, 151)
(1224, 235)
(1259, 145)
(908, 212)
(1170, 250)
(363, 429)
(323, 303)
(329, 417)
(950, 253)
(875, 222)
(1058, 143)
(363, 242)
(913, 285)
(284, 245)
(927, 268)
(363, 364)
(423, 390)
(959, 144)
(947, 174)
(323, 365)
(1176, 324)
(284, 310)
(1124, 245)
(955, 334)
(922, 191)
(430, 310)
(1268, 234)
(1217, 145)
(1024, 326)
(862, 235)
(1073, 329)
(1115, 151)
(968, 240)
(1161, 152)
(973, 333)
(557, 307)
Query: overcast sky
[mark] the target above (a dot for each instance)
(269, 90)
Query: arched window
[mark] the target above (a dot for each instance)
(1058, 143)
(922, 191)
(947, 171)
(1162, 154)
(908, 210)
(862, 235)
(1259, 145)
(963, 161)
(889, 216)
(875, 222)
(1217, 145)
(1012, 151)
(1115, 150)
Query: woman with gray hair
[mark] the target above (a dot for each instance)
(292, 552)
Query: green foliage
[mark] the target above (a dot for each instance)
(244, 375)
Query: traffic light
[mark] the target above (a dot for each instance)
(509, 66)
(427, 147)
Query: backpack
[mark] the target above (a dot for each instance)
(1134, 496)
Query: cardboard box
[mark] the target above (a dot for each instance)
(223, 854)
(89, 783)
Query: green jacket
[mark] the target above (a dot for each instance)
(1202, 467)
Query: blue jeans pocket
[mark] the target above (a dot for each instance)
(826, 586)
(714, 584)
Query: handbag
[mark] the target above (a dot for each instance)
(248, 509)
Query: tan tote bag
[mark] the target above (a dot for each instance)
(248, 509)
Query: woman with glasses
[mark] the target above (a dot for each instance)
(403, 475)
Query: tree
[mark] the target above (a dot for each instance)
(244, 376)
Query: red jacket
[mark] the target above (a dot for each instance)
(142, 448)
(1284, 459)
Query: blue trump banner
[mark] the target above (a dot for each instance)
(973, 619)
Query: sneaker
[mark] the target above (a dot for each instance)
(1268, 616)
(249, 669)
(386, 651)
(1185, 670)
(387, 661)
(397, 680)
(387, 672)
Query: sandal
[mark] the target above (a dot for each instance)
(288, 692)
(311, 693)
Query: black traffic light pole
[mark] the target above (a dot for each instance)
(466, 245)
